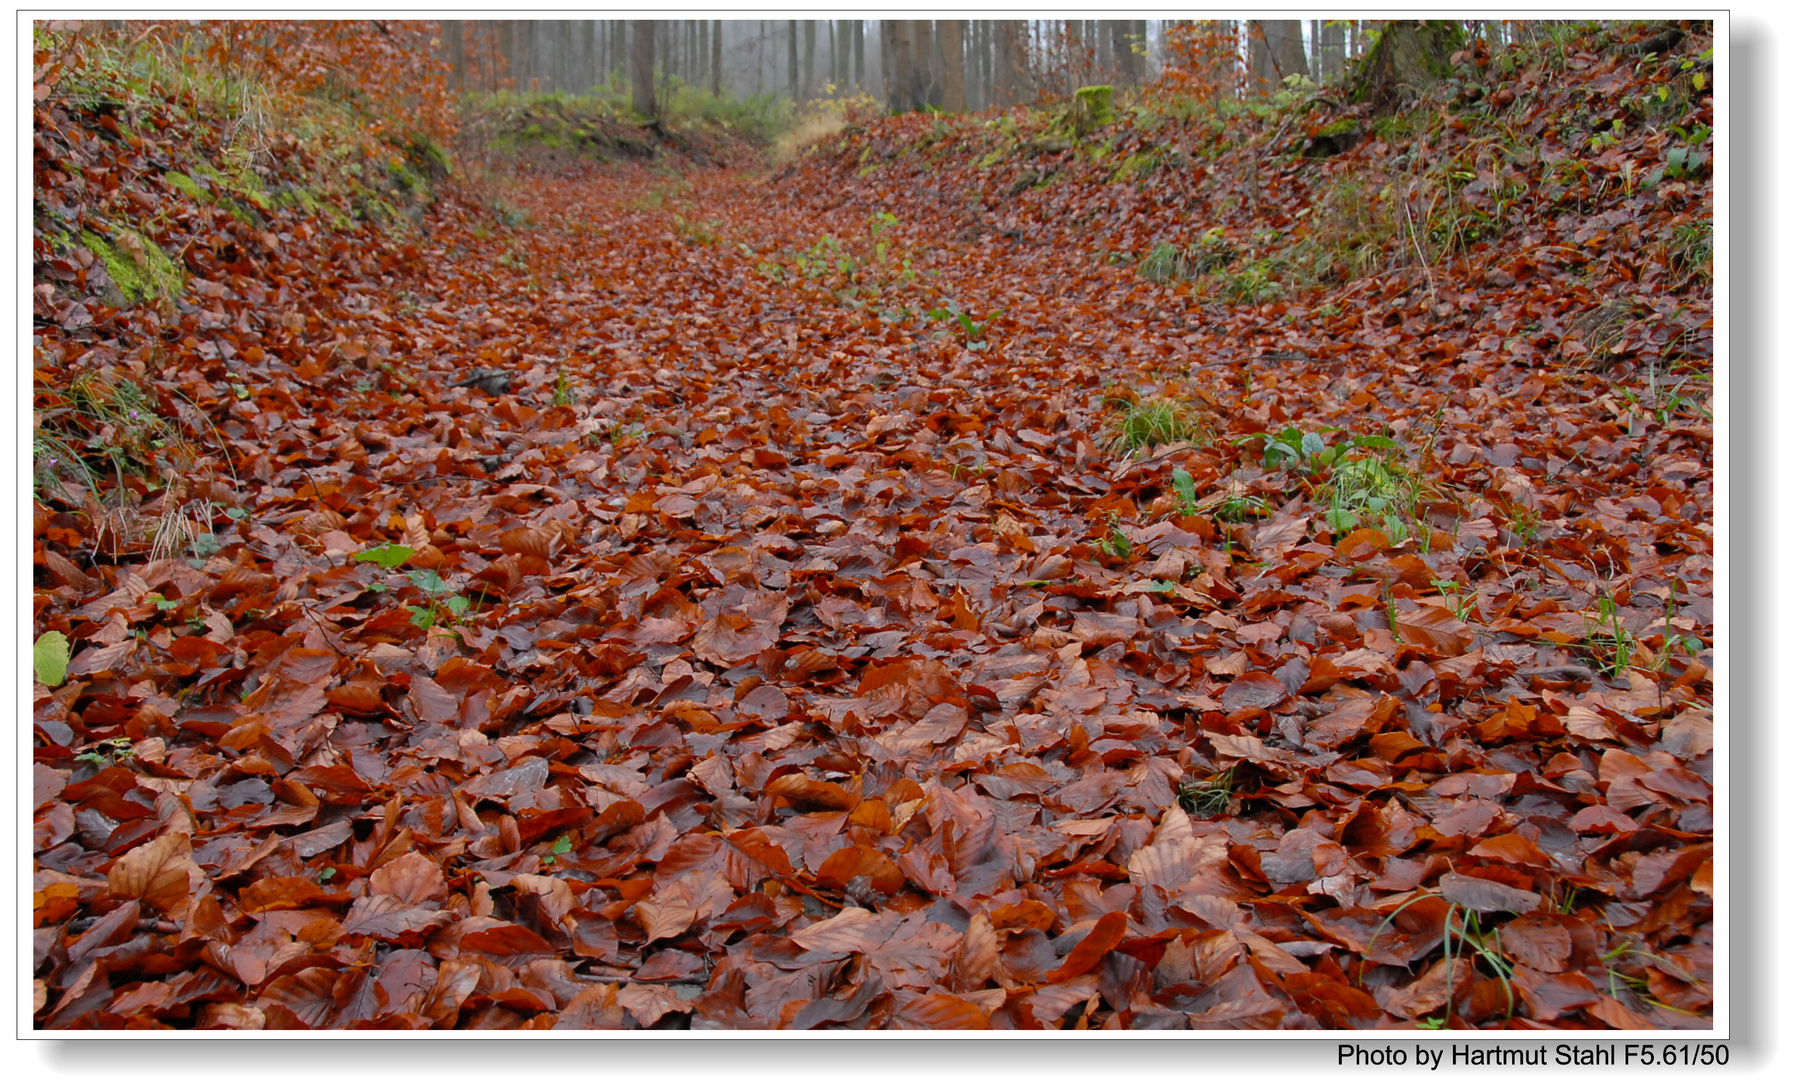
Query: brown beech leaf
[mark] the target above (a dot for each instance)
(391, 918)
(1435, 629)
(1482, 895)
(412, 878)
(161, 873)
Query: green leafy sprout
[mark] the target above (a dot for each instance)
(1187, 490)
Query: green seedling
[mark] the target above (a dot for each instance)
(1241, 508)
(1116, 545)
(1188, 492)
(109, 753)
(562, 846)
(442, 604)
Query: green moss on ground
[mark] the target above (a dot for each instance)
(157, 276)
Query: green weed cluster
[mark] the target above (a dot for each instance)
(1138, 424)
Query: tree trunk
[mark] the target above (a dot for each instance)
(1285, 39)
(792, 59)
(895, 56)
(508, 44)
(925, 65)
(1331, 51)
(451, 31)
(1122, 55)
(954, 80)
(810, 57)
(1013, 62)
(1406, 59)
(717, 56)
(858, 38)
(1074, 55)
(642, 67)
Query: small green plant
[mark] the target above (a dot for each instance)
(1525, 523)
(1463, 607)
(111, 752)
(1116, 542)
(1690, 248)
(973, 332)
(1376, 487)
(563, 844)
(325, 875)
(1623, 985)
(1609, 642)
(564, 390)
(1208, 798)
(442, 603)
(1670, 639)
(1156, 422)
(1242, 507)
(1187, 490)
(1254, 283)
(1468, 935)
(1160, 264)
(704, 233)
(50, 658)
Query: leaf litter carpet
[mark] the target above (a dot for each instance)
(816, 661)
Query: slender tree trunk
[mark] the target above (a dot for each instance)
(954, 78)
(902, 83)
(809, 79)
(1013, 61)
(508, 43)
(717, 56)
(1331, 52)
(642, 67)
(925, 65)
(451, 32)
(1285, 40)
(792, 59)
(858, 36)
(1122, 57)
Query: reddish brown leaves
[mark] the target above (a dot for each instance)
(764, 654)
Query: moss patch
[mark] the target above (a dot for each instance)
(187, 186)
(137, 266)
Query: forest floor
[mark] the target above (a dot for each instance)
(976, 575)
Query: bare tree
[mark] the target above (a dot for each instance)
(1330, 51)
(810, 80)
(642, 67)
(717, 56)
(900, 59)
(954, 82)
(858, 36)
(1013, 76)
(451, 32)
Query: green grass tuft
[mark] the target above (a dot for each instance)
(1156, 422)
